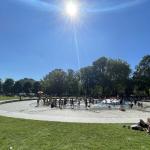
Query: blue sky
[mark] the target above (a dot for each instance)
(35, 36)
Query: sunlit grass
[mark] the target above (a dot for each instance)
(38, 135)
(8, 97)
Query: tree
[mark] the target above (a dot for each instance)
(23, 81)
(37, 86)
(96, 91)
(27, 87)
(143, 68)
(55, 83)
(1, 87)
(87, 80)
(119, 74)
(100, 68)
(141, 76)
(18, 87)
(72, 83)
(106, 77)
(8, 86)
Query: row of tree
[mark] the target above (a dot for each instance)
(105, 77)
(11, 87)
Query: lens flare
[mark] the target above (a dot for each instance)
(72, 9)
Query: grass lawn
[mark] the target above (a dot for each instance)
(8, 97)
(38, 135)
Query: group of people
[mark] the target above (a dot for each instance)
(139, 104)
(63, 102)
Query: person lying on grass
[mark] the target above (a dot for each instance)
(141, 126)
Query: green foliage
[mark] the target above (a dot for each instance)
(106, 77)
(1, 87)
(55, 82)
(24, 86)
(61, 83)
(142, 77)
(8, 86)
(87, 79)
(72, 83)
(18, 87)
(27, 87)
(37, 87)
(143, 69)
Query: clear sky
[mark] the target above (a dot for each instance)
(36, 37)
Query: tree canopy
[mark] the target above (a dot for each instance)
(142, 76)
(104, 77)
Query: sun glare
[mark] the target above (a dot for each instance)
(72, 9)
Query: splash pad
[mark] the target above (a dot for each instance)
(70, 113)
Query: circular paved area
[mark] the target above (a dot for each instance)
(28, 110)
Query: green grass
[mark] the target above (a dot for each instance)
(8, 97)
(38, 135)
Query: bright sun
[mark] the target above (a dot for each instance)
(72, 9)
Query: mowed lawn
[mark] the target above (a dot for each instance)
(8, 97)
(37, 135)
